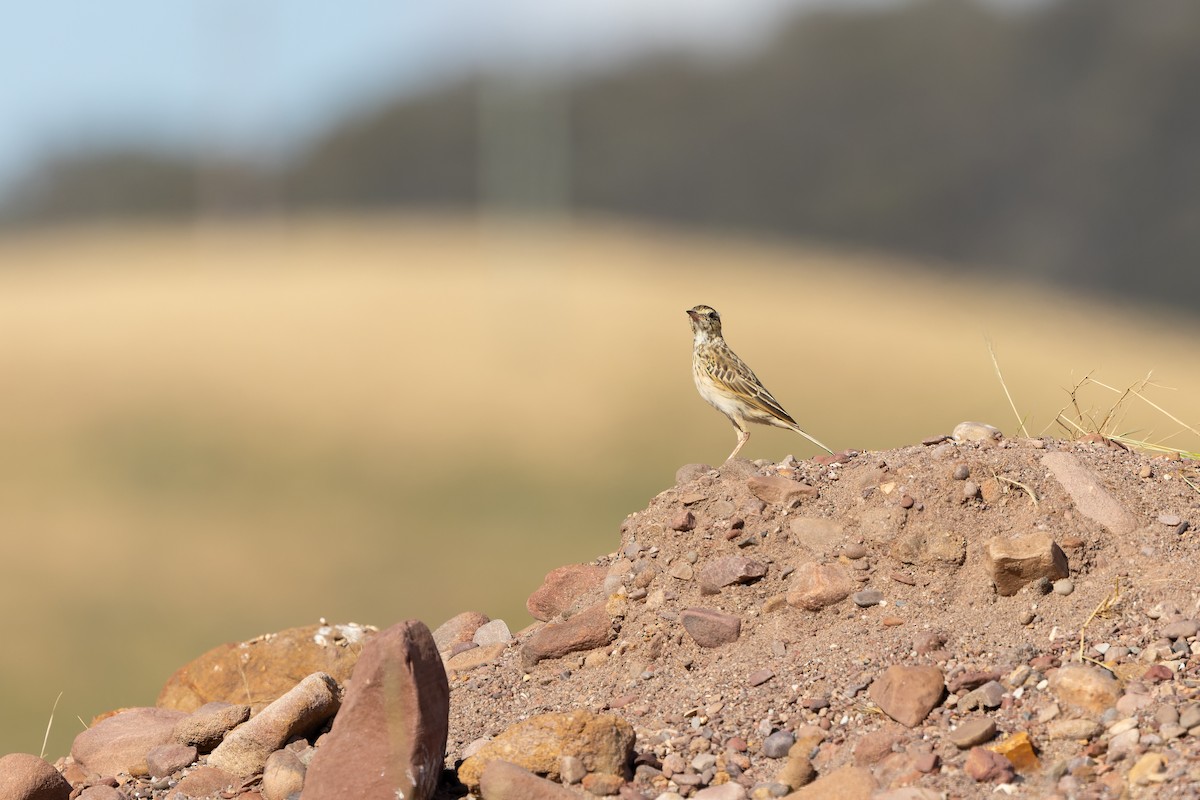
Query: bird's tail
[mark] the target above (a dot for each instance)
(811, 438)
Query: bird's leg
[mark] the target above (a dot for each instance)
(743, 437)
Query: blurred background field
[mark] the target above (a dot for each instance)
(381, 315)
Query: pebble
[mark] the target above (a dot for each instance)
(1183, 629)
(777, 744)
(854, 550)
(1170, 520)
(1064, 586)
(760, 676)
(962, 472)
(867, 598)
(973, 732)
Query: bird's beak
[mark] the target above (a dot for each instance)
(690, 313)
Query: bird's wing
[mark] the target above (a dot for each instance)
(732, 374)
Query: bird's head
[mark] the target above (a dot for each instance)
(706, 322)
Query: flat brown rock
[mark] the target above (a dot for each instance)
(1089, 494)
(586, 630)
(119, 743)
(908, 693)
(258, 671)
(816, 586)
(711, 628)
(566, 590)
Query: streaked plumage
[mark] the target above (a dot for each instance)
(729, 385)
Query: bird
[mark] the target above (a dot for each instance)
(729, 385)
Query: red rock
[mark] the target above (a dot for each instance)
(504, 781)
(245, 750)
(908, 693)
(683, 521)
(601, 784)
(873, 747)
(816, 586)
(1158, 673)
(983, 765)
(566, 590)
(722, 572)
(587, 630)
(167, 759)
(778, 490)
(205, 727)
(101, 791)
(27, 777)
(389, 738)
(205, 782)
(119, 743)
(710, 628)
(265, 667)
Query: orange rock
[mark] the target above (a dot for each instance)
(1018, 749)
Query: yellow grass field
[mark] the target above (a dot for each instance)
(209, 432)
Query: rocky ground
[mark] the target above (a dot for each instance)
(959, 618)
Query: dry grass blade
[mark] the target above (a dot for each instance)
(50, 724)
(1019, 485)
(1004, 385)
(1102, 610)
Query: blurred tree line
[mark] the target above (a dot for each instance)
(1061, 142)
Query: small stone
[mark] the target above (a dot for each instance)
(1064, 586)
(26, 777)
(854, 551)
(710, 628)
(1015, 561)
(571, 769)
(778, 490)
(908, 693)
(586, 630)
(1189, 716)
(167, 759)
(972, 732)
(976, 432)
(283, 775)
(494, 632)
(926, 763)
(725, 791)
(1088, 493)
(986, 766)
(1025, 617)
(1150, 768)
(760, 676)
(777, 744)
(1086, 687)
(867, 598)
(681, 570)
(1078, 729)
(683, 521)
(205, 727)
(506, 781)
(816, 586)
(601, 784)
(989, 695)
(1170, 520)
(722, 572)
(961, 472)
(970, 490)
(1183, 629)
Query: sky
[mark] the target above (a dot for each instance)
(263, 77)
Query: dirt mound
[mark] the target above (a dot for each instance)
(834, 570)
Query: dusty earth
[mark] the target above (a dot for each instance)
(914, 525)
(960, 618)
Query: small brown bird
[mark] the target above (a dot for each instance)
(729, 385)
